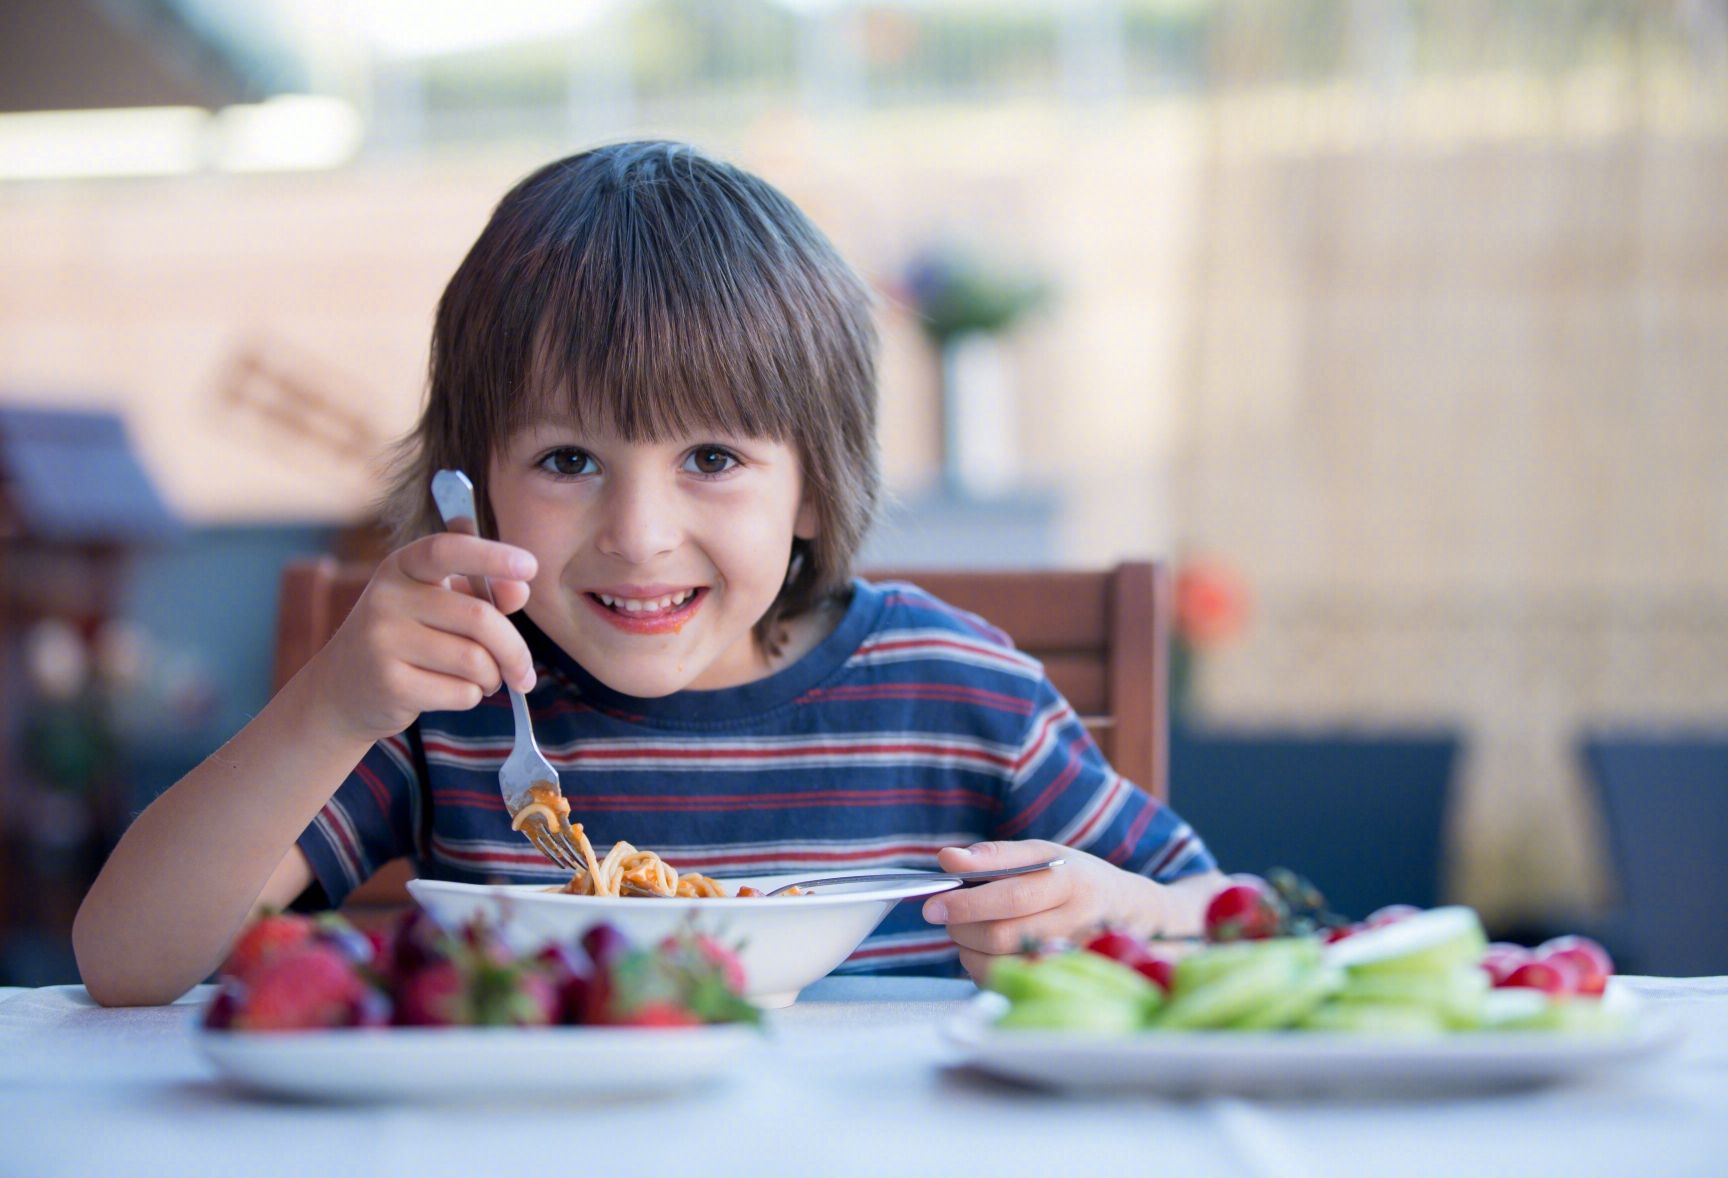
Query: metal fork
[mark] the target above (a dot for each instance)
(965, 877)
(526, 765)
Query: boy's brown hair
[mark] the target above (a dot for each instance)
(660, 291)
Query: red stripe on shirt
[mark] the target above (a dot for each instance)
(588, 803)
(946, 692)
(877, 952)
(1049, 794)
(1135, 830)
(380, 792)
(1081, 835)
(840, 753)
(1008, 657)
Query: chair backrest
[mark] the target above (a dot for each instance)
(1665, 805)
(1101, 634)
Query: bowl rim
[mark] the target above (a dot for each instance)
(531, 893)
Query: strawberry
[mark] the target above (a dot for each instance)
(230, 997)
(302, 989)
(708, 952)
(434, 995)
(264, 939)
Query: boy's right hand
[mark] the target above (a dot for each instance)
(418, 640)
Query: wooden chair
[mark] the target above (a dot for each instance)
(1102, 635)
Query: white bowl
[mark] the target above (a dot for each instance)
(783, 942)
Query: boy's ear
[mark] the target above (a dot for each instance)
(807, 522)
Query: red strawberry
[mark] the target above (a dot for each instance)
(435, 995)
(264, 939)
(230, 997)
(721, 958)
(301, 990)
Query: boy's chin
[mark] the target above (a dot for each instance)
(635, 683)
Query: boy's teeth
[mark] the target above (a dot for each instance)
(638, 605)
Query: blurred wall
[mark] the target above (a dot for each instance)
(1440, 376)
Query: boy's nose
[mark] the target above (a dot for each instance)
(641, 522)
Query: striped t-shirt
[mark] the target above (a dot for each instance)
(913, 726)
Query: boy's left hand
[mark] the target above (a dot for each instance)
(996, 919)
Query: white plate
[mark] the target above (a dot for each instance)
(476, 1063)
(1292, 1063)
(785, 942)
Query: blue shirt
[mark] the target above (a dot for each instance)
(913, 726)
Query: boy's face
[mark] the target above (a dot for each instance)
(656, 559)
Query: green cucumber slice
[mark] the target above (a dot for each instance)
(1255, 982)
(1207, 965)
(1435, 941)
(1375, 1018)
(1312, 988)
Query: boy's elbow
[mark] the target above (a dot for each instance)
(103, 971)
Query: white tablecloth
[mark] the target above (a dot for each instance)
(855, 1080)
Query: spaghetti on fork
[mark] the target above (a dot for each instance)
(625, 871)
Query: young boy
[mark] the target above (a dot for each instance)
(661, 378)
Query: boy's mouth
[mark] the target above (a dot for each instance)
(649, 615)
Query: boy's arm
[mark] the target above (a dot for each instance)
(195, 864)
(175, 891)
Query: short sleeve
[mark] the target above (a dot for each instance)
(1063, 790)
(369, 821)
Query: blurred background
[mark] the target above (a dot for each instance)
(1397, 328)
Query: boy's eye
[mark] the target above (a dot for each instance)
(567, 461)
(710, 460)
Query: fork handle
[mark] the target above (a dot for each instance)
(453, 492)
(965, 877)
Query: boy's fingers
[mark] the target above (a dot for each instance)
(1009, 936)
(1005, 899)
(509, 596)
(455, 657)
(472, 619)
(991, 855)
(434, 559)
(977, 965)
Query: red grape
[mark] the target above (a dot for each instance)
(1118, 945)
(1160, 971)
(1502, 958)
(1551, 977)
(1588, 959)
(1247, 910)
(1390, 914)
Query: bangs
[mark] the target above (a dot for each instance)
(660, 313)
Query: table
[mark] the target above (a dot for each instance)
(856, 1080)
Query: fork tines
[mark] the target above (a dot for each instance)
(555, 845)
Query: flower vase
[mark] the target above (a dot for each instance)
(980, 417)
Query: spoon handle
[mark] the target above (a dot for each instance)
(965, 877)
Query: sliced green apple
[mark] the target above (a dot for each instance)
(1456, 995)
(1098, 1015)
(1375, 1018)
(1209, 964)
(1255, 981)
(1435, 941)
(1295, 1003)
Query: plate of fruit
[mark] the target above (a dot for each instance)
(1283, 998)
(313, 1009)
